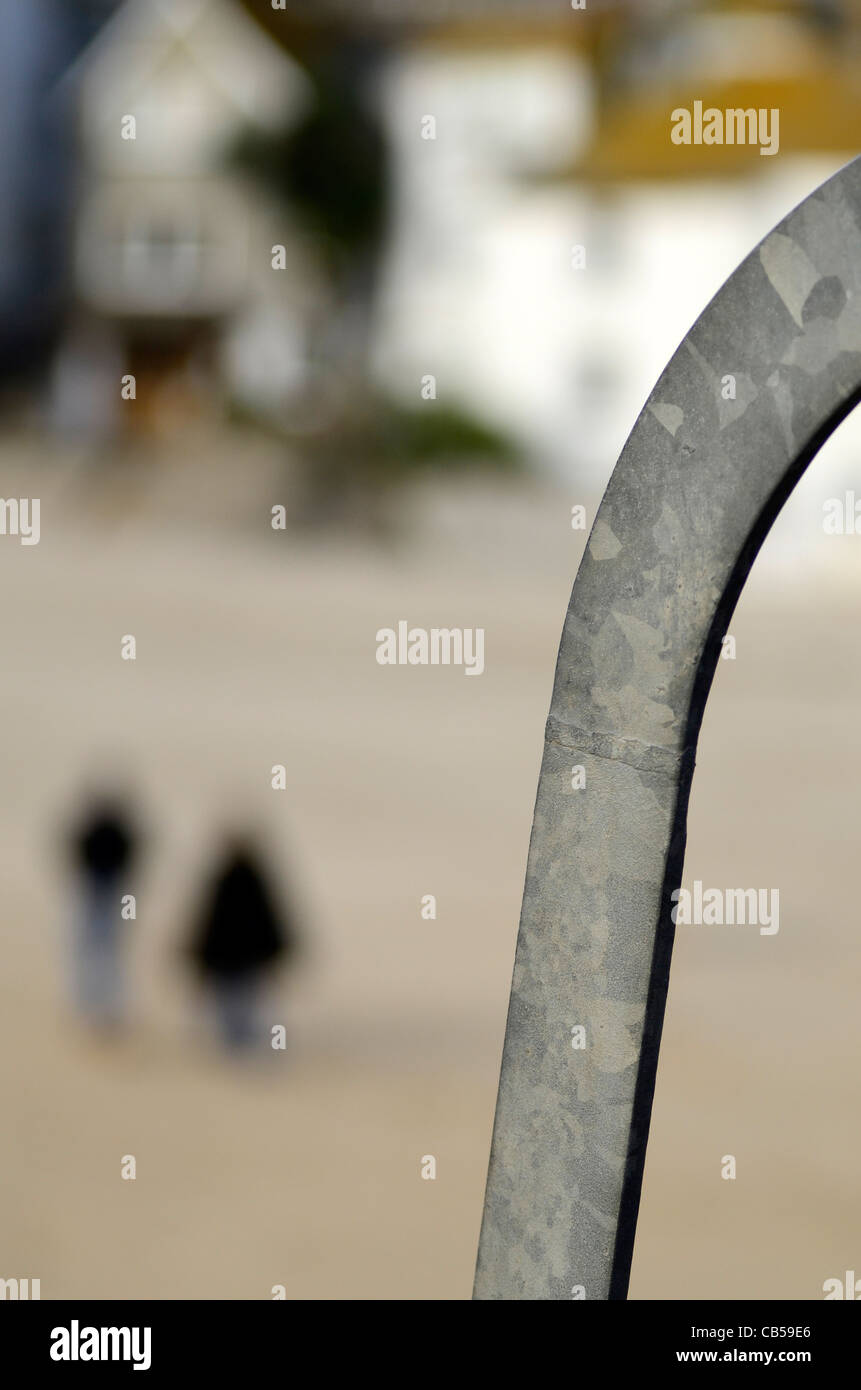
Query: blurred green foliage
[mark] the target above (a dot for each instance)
(332, 170)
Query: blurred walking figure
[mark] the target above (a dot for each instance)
(238, 938)
(103, 848)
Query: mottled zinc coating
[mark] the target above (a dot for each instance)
(696, 485)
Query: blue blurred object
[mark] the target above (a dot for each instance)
(38, 42)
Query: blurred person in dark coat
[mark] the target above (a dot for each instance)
(238, 938)
(103, 846)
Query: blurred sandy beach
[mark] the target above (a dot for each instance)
(303, 1169)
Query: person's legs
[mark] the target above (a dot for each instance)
(97, 965)
(236, 1005)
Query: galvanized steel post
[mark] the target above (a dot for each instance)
(694, 492)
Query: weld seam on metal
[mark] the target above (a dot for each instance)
(644, 757)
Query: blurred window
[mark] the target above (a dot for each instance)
(161, 251)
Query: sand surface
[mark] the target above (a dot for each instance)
(256, 648)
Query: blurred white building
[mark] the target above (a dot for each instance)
(173, 250)
(484, 289)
